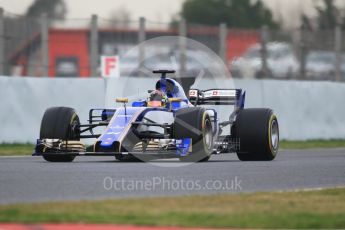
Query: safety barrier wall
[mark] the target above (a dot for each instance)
(24, 100)
(306, 110)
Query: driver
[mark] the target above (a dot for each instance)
(157, 98)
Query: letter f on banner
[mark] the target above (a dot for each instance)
(110, 66)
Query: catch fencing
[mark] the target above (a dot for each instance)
(44, 46)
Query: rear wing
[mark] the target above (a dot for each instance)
(217, 97)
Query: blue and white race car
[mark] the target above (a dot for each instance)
(166, 125)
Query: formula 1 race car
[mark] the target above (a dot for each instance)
(166, 125)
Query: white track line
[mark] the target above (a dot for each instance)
(308, 189)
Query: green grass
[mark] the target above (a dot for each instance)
(303, 209)
(312, 144)
(16, 149)
(26, 149)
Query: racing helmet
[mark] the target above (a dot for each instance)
(157, 98)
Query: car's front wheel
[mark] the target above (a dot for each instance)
(195, 123)
(59, 123)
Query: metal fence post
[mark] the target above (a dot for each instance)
(2, 42)
(223, 32)
(44, 44)
(264, 40)
(338, 48)
(94, 46)
(303, 55)
(141, 39)
(182, 47)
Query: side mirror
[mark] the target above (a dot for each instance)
(122, 100)
(175, 99)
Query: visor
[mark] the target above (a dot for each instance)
(154, 104)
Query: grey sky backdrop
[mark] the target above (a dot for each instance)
(287, 11)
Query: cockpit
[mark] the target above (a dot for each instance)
(168, 93)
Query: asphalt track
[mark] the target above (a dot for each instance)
(31, 179)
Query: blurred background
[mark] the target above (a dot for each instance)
(256, 39)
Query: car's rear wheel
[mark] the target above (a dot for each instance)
(59, 123)
(257, 132)
(195, 123)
